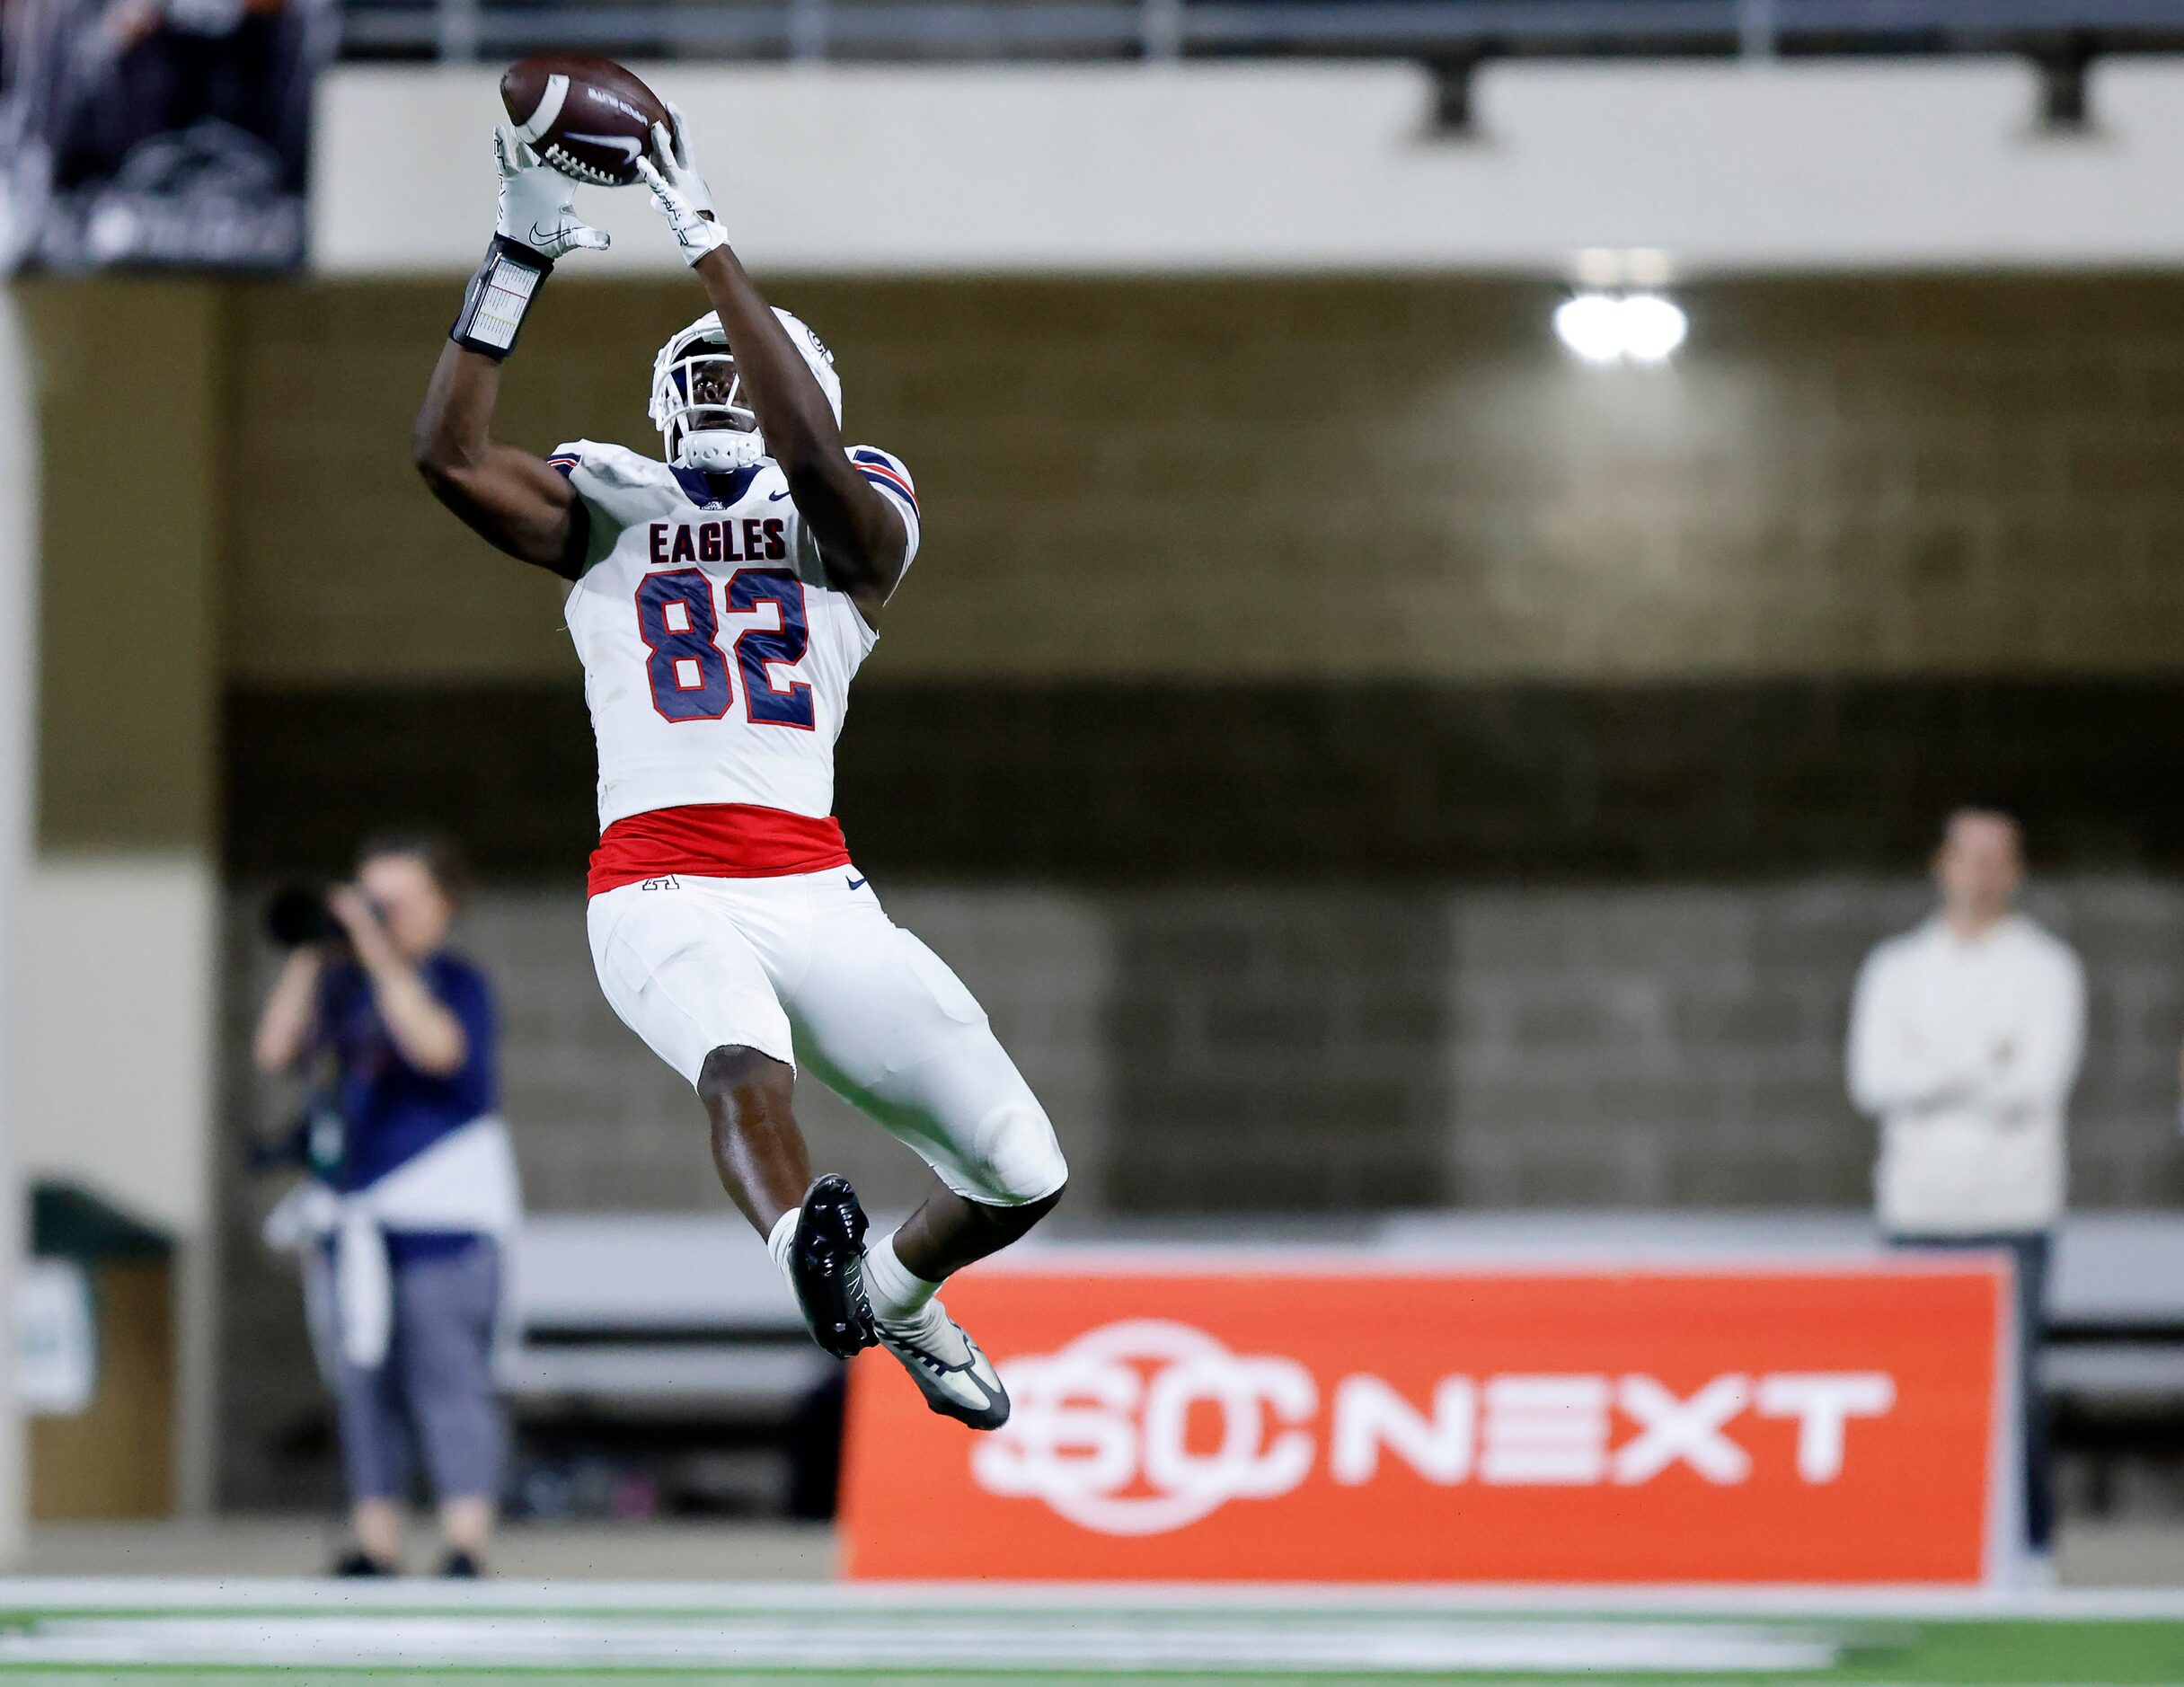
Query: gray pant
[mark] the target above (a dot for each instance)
(2028, 1251)
(435, 1390)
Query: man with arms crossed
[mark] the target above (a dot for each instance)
(1966, 1036)
(721, 601)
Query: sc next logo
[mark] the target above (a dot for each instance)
(1101, 1431)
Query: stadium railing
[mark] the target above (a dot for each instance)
(459, 30)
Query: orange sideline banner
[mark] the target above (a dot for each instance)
(1828, 1425)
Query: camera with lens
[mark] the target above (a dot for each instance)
(298, 914)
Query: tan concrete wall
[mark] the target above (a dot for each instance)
(1314, 477)
(118, 926)
(341, 566)
(134, 434)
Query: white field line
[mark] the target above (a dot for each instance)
(193, 1594)
(939, 1642)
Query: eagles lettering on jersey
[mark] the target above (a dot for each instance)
(717, 657)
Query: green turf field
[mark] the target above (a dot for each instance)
(298, 1632)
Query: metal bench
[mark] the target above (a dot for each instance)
(674, 1314)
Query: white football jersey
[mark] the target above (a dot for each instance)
(717, 659)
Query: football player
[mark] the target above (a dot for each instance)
(721, 600)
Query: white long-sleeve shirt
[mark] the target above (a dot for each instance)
(1966, 1050)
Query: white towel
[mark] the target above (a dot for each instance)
(465, 1181)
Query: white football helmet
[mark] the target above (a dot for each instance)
(697, 395)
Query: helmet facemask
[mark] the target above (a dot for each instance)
(697, 395)
(697, 402)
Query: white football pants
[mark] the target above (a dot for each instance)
(808, 969)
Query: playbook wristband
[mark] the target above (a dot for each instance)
(499, 296)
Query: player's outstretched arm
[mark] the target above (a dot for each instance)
(861, 534)
(513, 499)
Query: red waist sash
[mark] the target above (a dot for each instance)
(715, 840)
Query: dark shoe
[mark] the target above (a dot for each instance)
(461, 1566)
(950, 1369)
(356, 1561)
(826, 1266)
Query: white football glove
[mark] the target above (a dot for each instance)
(671, 152)
(538, 202)
(679, 193)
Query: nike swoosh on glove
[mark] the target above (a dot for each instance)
(538, 202)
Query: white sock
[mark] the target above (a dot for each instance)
(895, 1292)
(781, 1238)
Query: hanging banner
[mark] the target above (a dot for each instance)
(1764, 1426)
(157, 133)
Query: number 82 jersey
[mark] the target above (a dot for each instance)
(717, 659)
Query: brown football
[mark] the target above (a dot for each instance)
(586, 116)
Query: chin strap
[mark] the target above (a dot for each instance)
(498, 297)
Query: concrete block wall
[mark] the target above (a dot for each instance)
(1277, 1049)
(1676, 1045)
(1679, 1044)
(1267, 1050)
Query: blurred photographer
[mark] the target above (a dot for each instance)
(413, 1191)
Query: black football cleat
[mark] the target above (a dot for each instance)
(827, 1267)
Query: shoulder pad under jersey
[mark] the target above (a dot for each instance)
(888, 473)
(622, 486)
